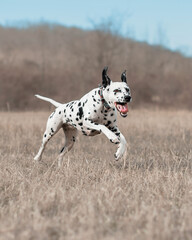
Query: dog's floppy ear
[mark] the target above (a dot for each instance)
(106, 80)
(123, 77)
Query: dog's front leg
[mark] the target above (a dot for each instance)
(121, 148)
(122, 145)
(95, 126)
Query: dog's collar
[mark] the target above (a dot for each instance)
(106, 105)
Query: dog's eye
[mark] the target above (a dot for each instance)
(127, 89)
(117, 90)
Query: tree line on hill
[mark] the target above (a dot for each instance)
(65, 63)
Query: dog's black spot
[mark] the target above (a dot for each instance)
(105, 115)
(72, 109)
(73, 139)
(79, 104)
(84, 133)
(112, 114)
(85, 119)
(52, 130)
(45, 135)
(89, 113)
(77, 119)
(93, 105)
(95, 111)
(62, 149)
(117, 134)
(105, 118)
(69, 115)
(106, 111)
(80, 112)
(108, 123)
(80, 124)
(67, 105)
(60, 112)
(94, 99)
(64, 110)
(114, 130)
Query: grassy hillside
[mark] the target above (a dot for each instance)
(64, 63)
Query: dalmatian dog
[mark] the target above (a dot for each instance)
(94, 113)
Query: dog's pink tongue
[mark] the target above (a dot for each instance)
(123, 108)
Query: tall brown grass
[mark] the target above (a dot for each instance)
(91, 196)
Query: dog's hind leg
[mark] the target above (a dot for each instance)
(53, 125)
(70, 136)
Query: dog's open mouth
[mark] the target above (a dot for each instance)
(122, 108)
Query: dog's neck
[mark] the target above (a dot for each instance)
(104, 102)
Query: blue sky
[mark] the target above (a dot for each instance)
(155, 21)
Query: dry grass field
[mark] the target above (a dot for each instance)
(91, 196)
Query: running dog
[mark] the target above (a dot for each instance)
(94, 113)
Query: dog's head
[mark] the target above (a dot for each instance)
(116, 94)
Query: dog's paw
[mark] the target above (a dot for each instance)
(118, 155)
(115, 155)
(120, 151)
(37, 158)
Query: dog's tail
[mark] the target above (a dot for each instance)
(56, 104)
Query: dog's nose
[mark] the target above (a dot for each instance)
(127, 98)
